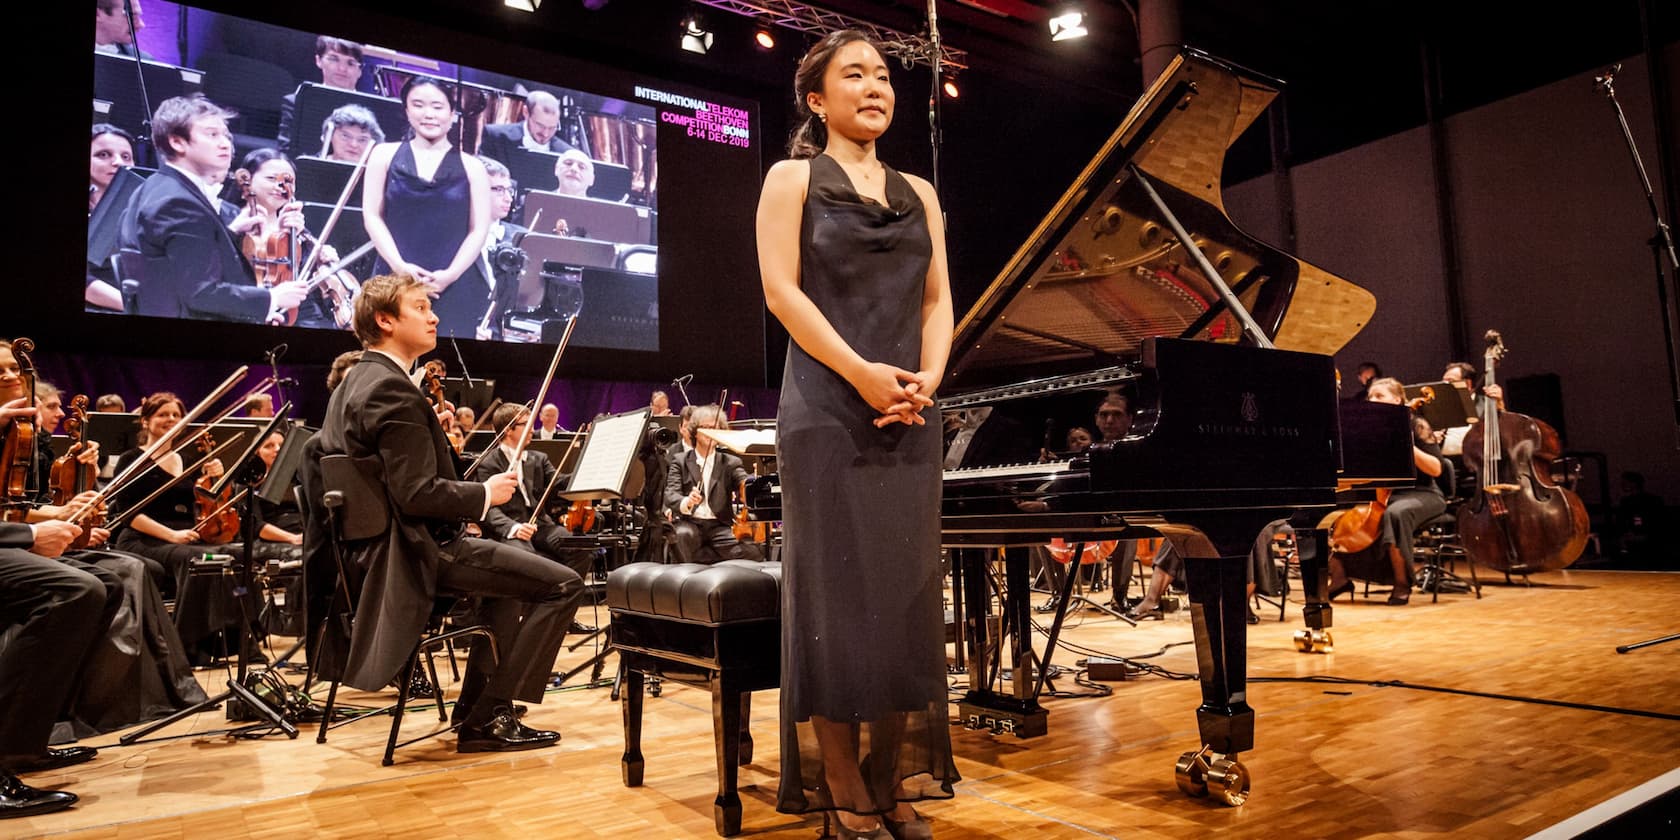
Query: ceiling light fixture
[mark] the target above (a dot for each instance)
(1067, 26)
(696, 38)
(523, 5)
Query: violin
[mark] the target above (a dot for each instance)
(271, 255)
(1095, 552)
(217, 521)
(1520, 519)
(1358, 528)
(71, 476)
(19, 456)
(580, 517)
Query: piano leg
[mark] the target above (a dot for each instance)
(1219, 612)
(1314, 550)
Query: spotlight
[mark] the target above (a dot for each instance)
(765, 39)
(523, 5)
(696, 38)
(950, 87)
(1067, 26)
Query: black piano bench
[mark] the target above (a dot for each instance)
(717, 625)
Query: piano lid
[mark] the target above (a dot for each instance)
(1103, 270)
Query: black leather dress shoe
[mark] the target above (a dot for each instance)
(459, 716)
(20, 800)
(580, 628)
(503, 733)
(56, 758)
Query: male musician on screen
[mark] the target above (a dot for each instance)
(510, 521)
(189, 266)
(379, 417)
(538, 132)
(504, 235)
(576, 173)
(340, 63)
(110, 28)
(700, 491)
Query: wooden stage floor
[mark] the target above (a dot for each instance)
(1351, 760)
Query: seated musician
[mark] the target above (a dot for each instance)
(538, 132)
(135, 665)
(1169, 568)
(112, 150)
(340, 63)
(1466, 372)
(1390, 557)
(659, 404)
(512, 521)
(576, 173)
(378, 415)
(208, 611)
(53, 614)
(261, 406)
(548, 422)
(700, 493)
(111, 34)
(348, 132)
(267, 224)
(1364, 375)
(190, 266)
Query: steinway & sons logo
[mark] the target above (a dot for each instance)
(1248, 409)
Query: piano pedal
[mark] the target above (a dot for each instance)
(1204, 771)
(1314, 641)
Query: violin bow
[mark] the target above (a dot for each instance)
(500, 433)
(332, 220)
(531, 420)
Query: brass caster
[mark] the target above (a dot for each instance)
(1227, 779)
(1314, 641)
(1191, 772)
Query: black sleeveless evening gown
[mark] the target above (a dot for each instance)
(863, 637)
(428, 220)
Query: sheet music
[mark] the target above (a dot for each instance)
(607, 456)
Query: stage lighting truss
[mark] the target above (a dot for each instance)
(800, 17)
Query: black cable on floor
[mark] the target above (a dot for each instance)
(1590, 707)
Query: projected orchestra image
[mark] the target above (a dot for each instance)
(261, 198)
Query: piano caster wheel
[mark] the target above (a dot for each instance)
(1191, 771)
(1227, 779)
(1314, 641)
(1204, 771)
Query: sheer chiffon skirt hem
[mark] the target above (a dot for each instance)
(908, 762)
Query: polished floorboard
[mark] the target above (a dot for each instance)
(1358, 759)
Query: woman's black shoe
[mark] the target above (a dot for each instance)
(1139, 614)
(1346, 587)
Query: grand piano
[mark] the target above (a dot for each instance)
(1137, 281)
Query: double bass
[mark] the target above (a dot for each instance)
(1520, 520)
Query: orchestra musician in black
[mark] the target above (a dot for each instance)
(379, 417)
(700, 491)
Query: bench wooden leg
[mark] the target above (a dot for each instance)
(726, 730)
(746, 729)
(632, 762)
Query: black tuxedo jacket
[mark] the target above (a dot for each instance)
(727, 477)
(378, 413)
(537, 471)
(16, 535)
(500, 139)
(191, 267)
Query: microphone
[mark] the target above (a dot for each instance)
(683, 380)
(275, 352)
(1604, 83)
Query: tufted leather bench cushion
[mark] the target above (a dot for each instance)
(722, 593)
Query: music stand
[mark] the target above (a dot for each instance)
(115, 431)
(593, 218)
(321, 181)
(603, 468)
(246, 469)
(316, 102)
(476, 394)
(105, 225)
(116, 89)
(1448, 404)
(560, 451)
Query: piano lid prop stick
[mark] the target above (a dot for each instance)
(1239, 311)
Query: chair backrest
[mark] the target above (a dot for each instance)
(129, 266)
(364, 513)
(1448, 479)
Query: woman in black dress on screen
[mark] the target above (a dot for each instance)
(853, 261)
(426, 208)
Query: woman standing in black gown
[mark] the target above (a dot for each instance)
(426, 207)
(852, 256)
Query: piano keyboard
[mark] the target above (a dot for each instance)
(1036, 469)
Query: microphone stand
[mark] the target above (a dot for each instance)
(1662, 243)
(938, 58)
(679, 382)
(145, 136)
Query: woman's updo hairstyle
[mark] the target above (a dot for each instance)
(811, 137)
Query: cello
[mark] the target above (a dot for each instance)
(1520, 520)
